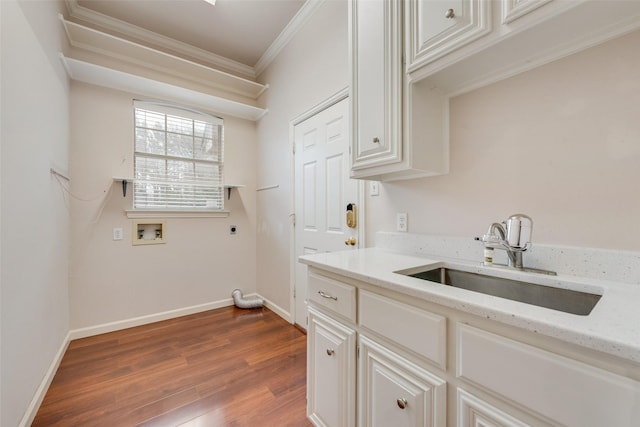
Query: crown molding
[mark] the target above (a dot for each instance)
(108, 23)
(297, 22)
(109, 46)
(114, 79)
(112, 24)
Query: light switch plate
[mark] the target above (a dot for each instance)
(374, 188)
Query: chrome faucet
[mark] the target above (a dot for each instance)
(512, 235)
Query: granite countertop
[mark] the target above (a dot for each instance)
(612, 327)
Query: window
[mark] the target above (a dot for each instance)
(178, 161)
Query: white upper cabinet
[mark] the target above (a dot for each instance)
(496, 39)
(514, 9)
(435, 28)
(376, 71)
(408, 58)
(379, 148)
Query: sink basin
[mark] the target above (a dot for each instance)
(566, 300)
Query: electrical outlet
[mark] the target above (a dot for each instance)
(401, 221)
(117, 234)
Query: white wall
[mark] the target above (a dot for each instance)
(201, 263)
(560, 143)
(35, 225)
(311, 68)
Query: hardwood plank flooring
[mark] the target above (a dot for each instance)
(225, 367)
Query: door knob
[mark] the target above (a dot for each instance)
(351, 241)
(402, 403)
(450, 14)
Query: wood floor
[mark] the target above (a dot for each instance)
(225, 367)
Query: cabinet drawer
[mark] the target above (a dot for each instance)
(564, 390)
(336, 296)
(411, 327)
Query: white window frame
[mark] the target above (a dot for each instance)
(171, 187)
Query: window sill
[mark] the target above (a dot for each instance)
(176, 214)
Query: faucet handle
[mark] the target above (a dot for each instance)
(518, 231)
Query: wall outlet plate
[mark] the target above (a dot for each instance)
(233, 229)
(401, 221)
(118, 234)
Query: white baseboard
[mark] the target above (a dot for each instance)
(38, 397)
(32, 410)
(278, 310)
(150, 318)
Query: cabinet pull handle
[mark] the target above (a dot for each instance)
(330, 352)
(327, 296)
(376, 140)
(402, 403)
(450, 14)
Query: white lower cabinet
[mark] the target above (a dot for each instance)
(331, 355)
(475, 412)
(566, 391)
(396, 392)
(389, 361)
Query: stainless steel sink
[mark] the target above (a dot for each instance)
(566, 300)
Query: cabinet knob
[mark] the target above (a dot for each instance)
(330, 352)
(376, 140)
(450, 14)
(402, 403)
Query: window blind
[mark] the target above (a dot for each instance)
(178, 159)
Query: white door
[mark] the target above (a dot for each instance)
(323, 191)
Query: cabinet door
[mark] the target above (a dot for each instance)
(435, 28)
(376, 82)
(514, 9)
(569, 392)
(473, 411)
(395, 392)
(330, 372)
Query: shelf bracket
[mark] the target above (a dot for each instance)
(124, 188)
(230, 187)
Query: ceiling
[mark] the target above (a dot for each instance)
(238, 30)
